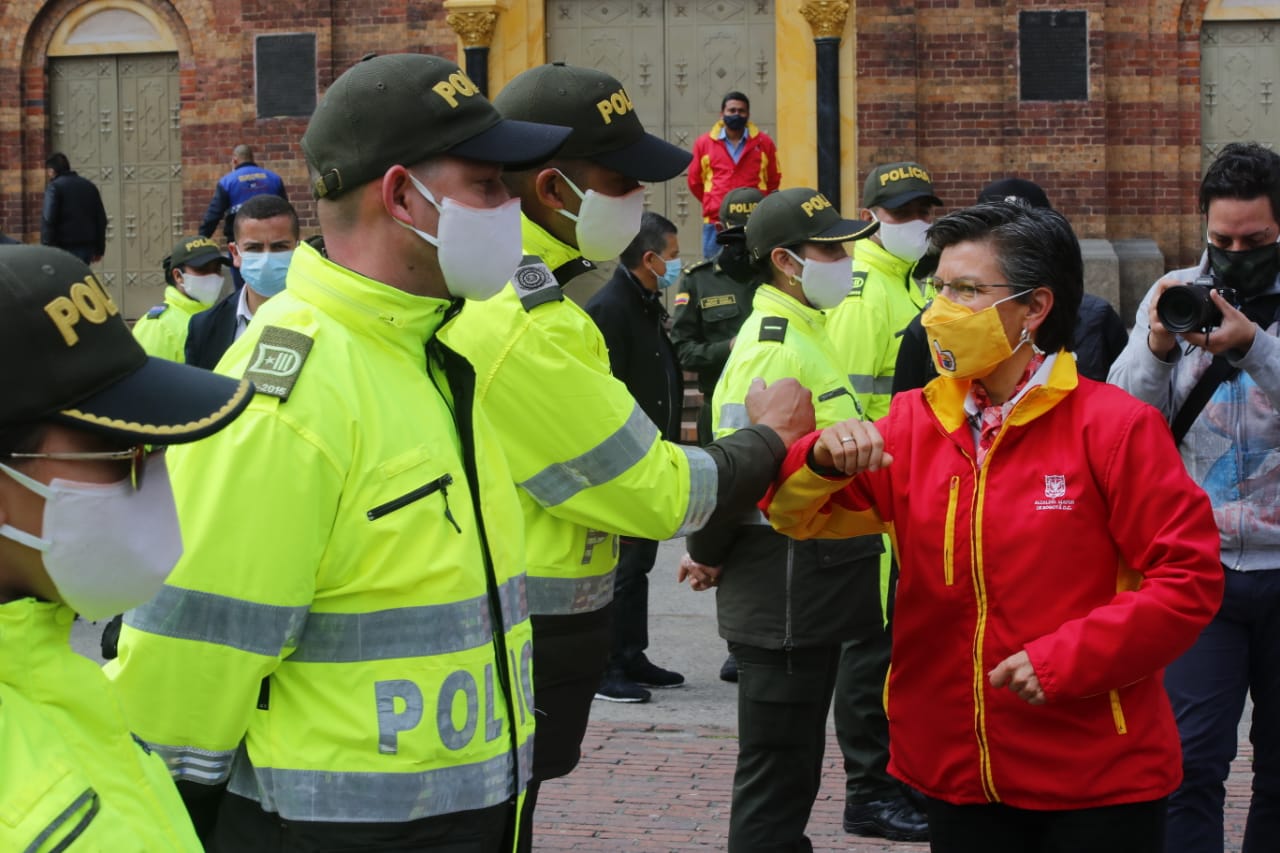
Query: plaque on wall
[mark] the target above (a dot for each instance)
(1053, 56)
(285, 74)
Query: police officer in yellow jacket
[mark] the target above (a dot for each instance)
(87, 525)
(193, 278)
(866, 330)
(588, 461)
(866, 327)
(347, 641)
(785, 606)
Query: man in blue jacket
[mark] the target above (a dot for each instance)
(245, 180)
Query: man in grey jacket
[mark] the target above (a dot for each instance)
(1218, 382)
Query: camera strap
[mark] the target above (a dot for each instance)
(1220, 370)
(1262, 311)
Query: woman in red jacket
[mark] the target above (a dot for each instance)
(1055, 557)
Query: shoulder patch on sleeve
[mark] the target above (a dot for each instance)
(859, 282)
(535, 284)
(773, 329)
(277, 361)
(681, 299)
(157, 310)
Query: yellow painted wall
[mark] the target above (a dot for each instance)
(1218, 10)
(519, 43)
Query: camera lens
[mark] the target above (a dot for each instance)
(1179, 309)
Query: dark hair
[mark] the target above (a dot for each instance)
(265, 206)
(1034, 247)
(21, 438)
(734, 96)
(59, 163)
(1243, 170)
(654, 228)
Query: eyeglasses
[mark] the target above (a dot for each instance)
(966, 290)
(135, 456)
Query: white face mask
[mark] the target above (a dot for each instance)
(606, 223)
(825, 283)
(906, 240)
(202, 288)
(478, 249)
(106, 548)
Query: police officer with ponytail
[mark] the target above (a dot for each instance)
(785, 606)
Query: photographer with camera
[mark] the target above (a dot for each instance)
(1208, 357)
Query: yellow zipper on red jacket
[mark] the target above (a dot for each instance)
(1033, 404)
(980, 598)
(980, 628)
(949, 533)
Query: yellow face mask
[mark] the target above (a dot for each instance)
(967, 344)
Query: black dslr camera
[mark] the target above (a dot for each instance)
(1190, 308)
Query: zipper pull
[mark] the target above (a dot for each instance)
(444, 492)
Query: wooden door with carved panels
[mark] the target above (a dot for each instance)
(677, 59)
(117, 120)
(1239, 85)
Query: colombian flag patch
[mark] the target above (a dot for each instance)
(681, 299)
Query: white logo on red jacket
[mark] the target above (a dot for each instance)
(1055, 491)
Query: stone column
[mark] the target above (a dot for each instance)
(474, 23)
(827, 18)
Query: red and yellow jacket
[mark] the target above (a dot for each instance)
(1080, 539)
(713, 172)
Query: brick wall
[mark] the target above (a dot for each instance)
(216, 54)
(938, 83)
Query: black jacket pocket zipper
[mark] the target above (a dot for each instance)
(439, 484)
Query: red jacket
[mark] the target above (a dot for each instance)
(1081, 539)
(713, 173)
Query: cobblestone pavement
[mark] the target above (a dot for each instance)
(655, 788)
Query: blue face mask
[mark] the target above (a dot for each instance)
(265, 271)
(669, 277)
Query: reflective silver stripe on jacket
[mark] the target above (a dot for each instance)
(558, 596)
(408, 632)
(704, 483)
(368, 797)
(210, 767)
(557, 483)
(734, 416)
(263, 629)
(866, 384)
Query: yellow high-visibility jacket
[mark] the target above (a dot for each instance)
(777, 593)
(71, 774)
(782, 338)
(589, 462)
(162, 331)
(865, 328)
(329, 639)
